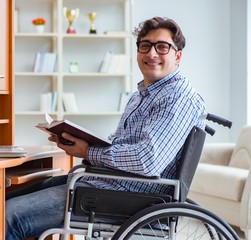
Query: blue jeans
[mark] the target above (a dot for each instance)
(32, 210)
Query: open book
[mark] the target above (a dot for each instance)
(57, 127)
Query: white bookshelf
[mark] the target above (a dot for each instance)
(97, 94)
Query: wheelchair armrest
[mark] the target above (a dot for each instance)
(95, 171)
(115, 172)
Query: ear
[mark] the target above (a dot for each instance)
(178, 57)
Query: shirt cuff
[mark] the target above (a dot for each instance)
(95, 155)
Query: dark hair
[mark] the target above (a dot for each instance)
(158, 22)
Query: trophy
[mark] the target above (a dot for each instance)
(92, 16)
(71, 15)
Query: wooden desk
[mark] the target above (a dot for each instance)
(38, 156)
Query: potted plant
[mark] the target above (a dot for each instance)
(39, 24)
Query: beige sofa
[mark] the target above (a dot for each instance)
(222, 182)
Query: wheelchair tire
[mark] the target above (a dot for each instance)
(185, 221)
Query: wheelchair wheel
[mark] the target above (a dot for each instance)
(175, 221)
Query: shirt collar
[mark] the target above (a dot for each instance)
(145, 91)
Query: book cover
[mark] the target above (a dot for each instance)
(54, 101)
(49, 62)
(45, 62)
(58, 127)
(37, 63)
(70, 102)
(119, 64)
(106, 62)
(45, 102)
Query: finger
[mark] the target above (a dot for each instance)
(69, 137)
(52, 138)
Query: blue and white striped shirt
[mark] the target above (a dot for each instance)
(150, 134)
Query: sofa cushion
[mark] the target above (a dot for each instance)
(217, 153)
(241, 156)
(219, 181)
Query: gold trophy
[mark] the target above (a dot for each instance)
(71, 15)
(92, 16)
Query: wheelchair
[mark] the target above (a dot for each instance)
(103, 214)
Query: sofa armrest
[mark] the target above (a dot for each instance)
(245, 210)
(217, 153)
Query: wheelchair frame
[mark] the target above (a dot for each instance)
(167, 215)
(111, 231)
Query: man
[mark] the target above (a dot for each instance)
(148, 140)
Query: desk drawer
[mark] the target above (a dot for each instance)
(32, 171)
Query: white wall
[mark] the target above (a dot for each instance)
(248, 60)
(214, 58)
(238, 70)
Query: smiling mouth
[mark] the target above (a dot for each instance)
(152, 64)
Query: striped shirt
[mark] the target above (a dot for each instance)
(150, 135)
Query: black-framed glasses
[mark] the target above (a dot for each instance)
(161, 47)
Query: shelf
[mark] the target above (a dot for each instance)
(4, 92)
(98, 1)
(112, 113)
(35, 74)
(93, 36)
(29, 113)
(96, 74)
(97, 94)
(65, 35)
(79, 74)
(4, 121)
(33, 113)
(36, 35)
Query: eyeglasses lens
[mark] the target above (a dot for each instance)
(161, 48)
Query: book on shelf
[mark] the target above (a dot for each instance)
(58, 127)
(48, 101)
(70, 102)
(49, 62)
(54, 102)
(114, 63)
(37, 63)
(10, 151)
(45, 62)
(106, 62)
(119, 63)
